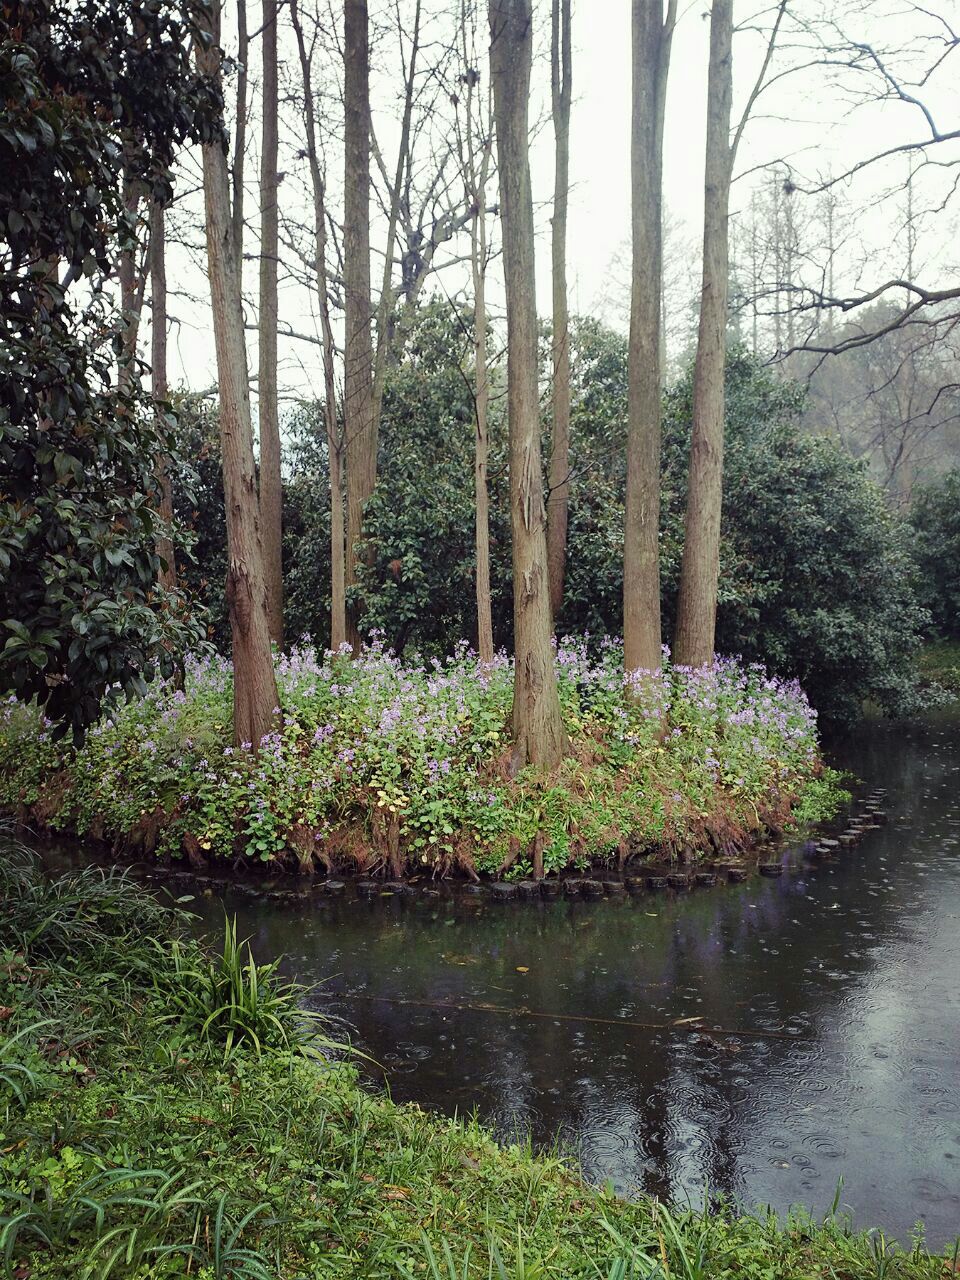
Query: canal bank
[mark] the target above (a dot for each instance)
(762, 1040)
(166, 1111)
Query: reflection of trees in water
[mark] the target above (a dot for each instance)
(644, 1107)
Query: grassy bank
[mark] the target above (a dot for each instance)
(163, 1112)
(377, 766)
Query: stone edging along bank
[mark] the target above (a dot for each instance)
(651, 878)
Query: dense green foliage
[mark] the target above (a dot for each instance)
(96, 98)
(816, 576)
(379, 766)
(418, 589)
(939, 666)
(935, 516)
(132, 1147)
(815, 573)
(197, 482)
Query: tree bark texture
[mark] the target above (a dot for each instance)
(158, 364)
(271, 493)
(699, 574)
(254, 682)
(652, 35)
(360, 422)
(478, 259)
(338, 609)
(240, 128)
(537, 723)
(476, 155)
(559, 478)
(387, 343)
(130, 296)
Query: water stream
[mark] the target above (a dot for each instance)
(829, 1043)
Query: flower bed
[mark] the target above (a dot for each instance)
(380, 766)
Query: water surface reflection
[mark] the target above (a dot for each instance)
(830, 1041)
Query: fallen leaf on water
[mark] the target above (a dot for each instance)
(522, 968)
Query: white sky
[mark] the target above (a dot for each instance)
(823, 126)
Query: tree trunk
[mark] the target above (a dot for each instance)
(537, 724)
(559, 479)
(652, 37)
(478, 259)
(476, 133)
(387, 348)
(130, 296)
(271, 492)
(338, 609)
(240, 129)
(697, 602)
(254, 683)
(158, 362)
(360, 423)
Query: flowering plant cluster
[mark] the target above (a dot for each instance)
(379, 764)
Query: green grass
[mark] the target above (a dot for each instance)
(139, 1137)
(939, 663)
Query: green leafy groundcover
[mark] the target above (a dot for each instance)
(167, 1111)
(379, 765)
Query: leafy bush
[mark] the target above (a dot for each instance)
(816, 577)
(935, 516)
(196, 477)
(228, 1002)
(418, 587)
(378, 764)
(97, 99)
(815, 571)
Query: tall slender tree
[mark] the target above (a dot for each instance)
(240, 126)
(338, 609)
(386, 336)
(561, 89)
(700, 567)
(158, 385)
(130, 294)
(481, 452)
(361, 427)
(538, 730)
(697, 602)
(474, 121)
(271, 494)
(652, 36)
(254, 682)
